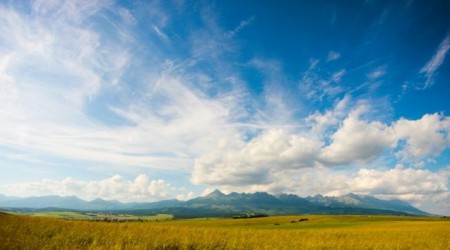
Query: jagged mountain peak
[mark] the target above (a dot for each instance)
(262, 194)
(215, 193)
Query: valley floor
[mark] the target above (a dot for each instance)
(277, 232)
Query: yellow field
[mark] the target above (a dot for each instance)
(319, 232)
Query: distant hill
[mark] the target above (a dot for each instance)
(219, 204)
(364, 201)
(65, 202)
(6, 198)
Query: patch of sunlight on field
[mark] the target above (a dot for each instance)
(278, 232)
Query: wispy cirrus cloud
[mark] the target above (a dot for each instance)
(62, 84)
(243, 24)
(429, 70)
(377, 73)
(333, 56)
(317, 84)
(160, 33)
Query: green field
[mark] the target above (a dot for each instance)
(70, 215)
(277, 232)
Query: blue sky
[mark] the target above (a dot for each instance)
(150, 100)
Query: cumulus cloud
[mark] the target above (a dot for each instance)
(357, 141)
(425, 137)
(320, 122)
(280, 160)
(273, 150)
(421, 187)
(186, 196)
(113, 188)
(398, 182)
(360, 141)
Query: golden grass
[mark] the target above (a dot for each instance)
(320, 232)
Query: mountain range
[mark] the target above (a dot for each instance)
(219, 204)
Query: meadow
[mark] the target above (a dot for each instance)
(277, 232)
(72, 215)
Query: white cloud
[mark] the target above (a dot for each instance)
(333, 55)
(243, 24)
(357, 141)
(207, 191)
(127, 16)
(55, 76)
(426, 137)
(242, 164)
(187, 196)
(423, 188)
(321, 122)
(160, 33)
(429, 70)
(376, 74)
(113, 188)
(280, 160)
(317, 83)
(337, 76)
(398, 182)
(51, 51)
(210, 43)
